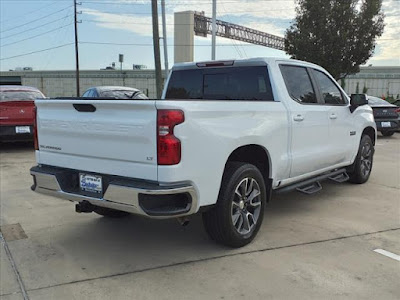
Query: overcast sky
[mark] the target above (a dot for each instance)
(31, 26)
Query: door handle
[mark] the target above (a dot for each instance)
(298, 118)
(333, 116)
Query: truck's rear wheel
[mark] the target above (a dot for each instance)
(111, 213)
(239, 212)
(362, 166)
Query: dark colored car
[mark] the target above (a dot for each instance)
(16, 112)
(397, 103)
(386, 115)
(114, 92)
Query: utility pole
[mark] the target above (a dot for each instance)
(164, 38)
(156, 46)
(214, 28)
(76, 51)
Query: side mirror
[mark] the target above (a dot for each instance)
(357, 100)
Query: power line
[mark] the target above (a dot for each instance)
(38, 51)
(148, 44)
(38, 19)
(228, 12)
(15, 18)
(58, 38)
(168, 24)
(35, 36)
(33, 28)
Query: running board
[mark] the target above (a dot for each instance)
(340, 177)
(311, 188)
(313, 185)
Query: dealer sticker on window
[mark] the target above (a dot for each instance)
(385, 124)
(90, 183)
(22, 129)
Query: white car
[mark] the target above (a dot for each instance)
(224, 135)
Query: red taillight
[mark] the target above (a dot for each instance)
(397, 110)
(35, 133)
(168, 145)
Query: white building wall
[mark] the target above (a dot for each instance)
(63, 83)
(379, 81)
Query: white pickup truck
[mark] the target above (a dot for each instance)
(224, 135)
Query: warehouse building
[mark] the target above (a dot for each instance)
(375, 81)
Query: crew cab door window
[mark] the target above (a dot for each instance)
(329, 91)
(298, 84)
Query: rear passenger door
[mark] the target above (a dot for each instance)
(341, 129)
(309, 121)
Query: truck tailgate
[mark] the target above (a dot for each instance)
(116, 137)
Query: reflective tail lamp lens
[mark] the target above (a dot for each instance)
(168, 145)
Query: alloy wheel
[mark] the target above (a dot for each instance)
(246, 205)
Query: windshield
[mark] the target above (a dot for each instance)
(19, 95)
(123, 94)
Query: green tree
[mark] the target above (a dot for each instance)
(338, 35)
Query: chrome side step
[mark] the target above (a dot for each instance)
(313, 185)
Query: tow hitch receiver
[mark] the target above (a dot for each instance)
(84, 207)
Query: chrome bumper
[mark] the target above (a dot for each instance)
(117, 196)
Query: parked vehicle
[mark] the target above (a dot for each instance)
(397, 103)
(386, 115)
(116, 92)
(221, 138)
(16, 112)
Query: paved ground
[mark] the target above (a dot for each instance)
(309, 247)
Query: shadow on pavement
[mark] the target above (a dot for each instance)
(10, 147)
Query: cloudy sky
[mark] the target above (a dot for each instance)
(40, 34)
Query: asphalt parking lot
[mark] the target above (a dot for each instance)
(309, 247)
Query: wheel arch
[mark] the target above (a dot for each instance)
(258, 156)
(370, 131)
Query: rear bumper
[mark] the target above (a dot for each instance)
(9, 133)
(150, 199)
(394, 124)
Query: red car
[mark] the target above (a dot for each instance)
(16, 112)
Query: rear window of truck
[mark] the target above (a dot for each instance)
(233, 83)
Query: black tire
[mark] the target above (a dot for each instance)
(110, 213)
(219, 221)
(364, 159)
(387, 133)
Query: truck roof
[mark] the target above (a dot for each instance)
(257, 61)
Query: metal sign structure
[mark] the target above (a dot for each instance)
(203, 26)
